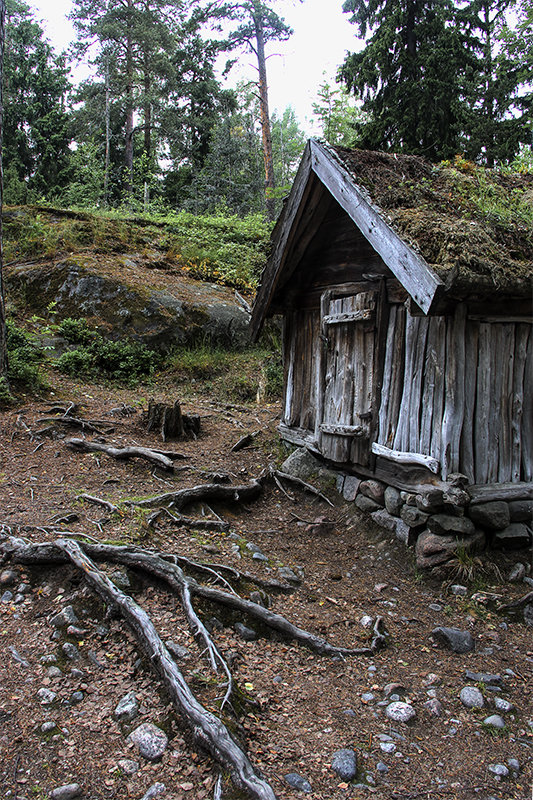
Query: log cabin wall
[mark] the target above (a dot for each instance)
(461, 390)
(301, 340)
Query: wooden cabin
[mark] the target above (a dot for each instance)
(407, 311)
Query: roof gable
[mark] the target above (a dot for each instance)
(319, 162)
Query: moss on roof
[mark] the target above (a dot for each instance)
(473, 226)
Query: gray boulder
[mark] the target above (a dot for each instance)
(492, 516)
(373, 489)
(393, 501)
(454, 639)
(516, 536)
(448, 524)
(471, 697)
(150, 741)
(433, 549)
(521, 511)
(366, 504)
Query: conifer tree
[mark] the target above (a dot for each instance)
(408, 75)
(3, 332)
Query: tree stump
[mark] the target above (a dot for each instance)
(170, 422)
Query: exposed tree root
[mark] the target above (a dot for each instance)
(207, 730)
(122, 453)
(99, 501)
(204, 492)
(522, 601)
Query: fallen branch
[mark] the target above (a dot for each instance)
(122, 453)
(522, 601)
(73, 422)
(98, 501)
(189, 522)
(243, 442)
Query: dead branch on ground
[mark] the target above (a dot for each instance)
(122, 453)
(99, 501)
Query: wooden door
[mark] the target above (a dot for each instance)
(348, 381)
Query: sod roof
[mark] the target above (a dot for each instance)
(473, 226)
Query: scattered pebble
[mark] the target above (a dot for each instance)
(297, 782)
(150, 741)
(458, 589)
(67, 616)
(46, 696)
(494, 721)
(71, 651)
(128, 766)
(344, 763)
(501, 704)
(400, 712)
(471, 697)
(127, 708)
(154, 791)
(68, 792)
(47, 727)
(499, 769)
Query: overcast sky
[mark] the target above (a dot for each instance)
(322, 36)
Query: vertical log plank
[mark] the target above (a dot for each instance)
(467, 434)
(438, 393)
(481, 426)
(522, 337)
(452, 420)
(387, 379)
(505, 419)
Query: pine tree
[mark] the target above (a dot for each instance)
(36, 125)
(152, 65)
(258, 25)
(499, 101)
(409, 75)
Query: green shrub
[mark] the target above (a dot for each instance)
(76, 331)
(24, 358)
(124, 361)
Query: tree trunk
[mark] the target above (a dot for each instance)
(107, 134)
(3, 335)
(128, 149)
(265, 116)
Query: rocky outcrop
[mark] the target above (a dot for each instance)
(121, 301)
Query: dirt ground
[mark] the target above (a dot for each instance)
(305, 707)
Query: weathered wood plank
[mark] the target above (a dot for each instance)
(438, 392)
(410, 269)
(344, 430)
(428, 390)
(348, 316)
(505, 420)
(452, 419)
(496, 359)
(527, 418)
(401, 439)
(415, 396)
(400, 457)
(467, 433)
(522, 337)
(398, 368)
(481, 426)
(384, 405)
(500, 491)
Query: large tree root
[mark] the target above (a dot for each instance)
(207, 730)
(123, 453)
(204, 492)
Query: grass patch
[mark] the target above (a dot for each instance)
(220, 248)
(228, 374)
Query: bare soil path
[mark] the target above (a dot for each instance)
(304, 707)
